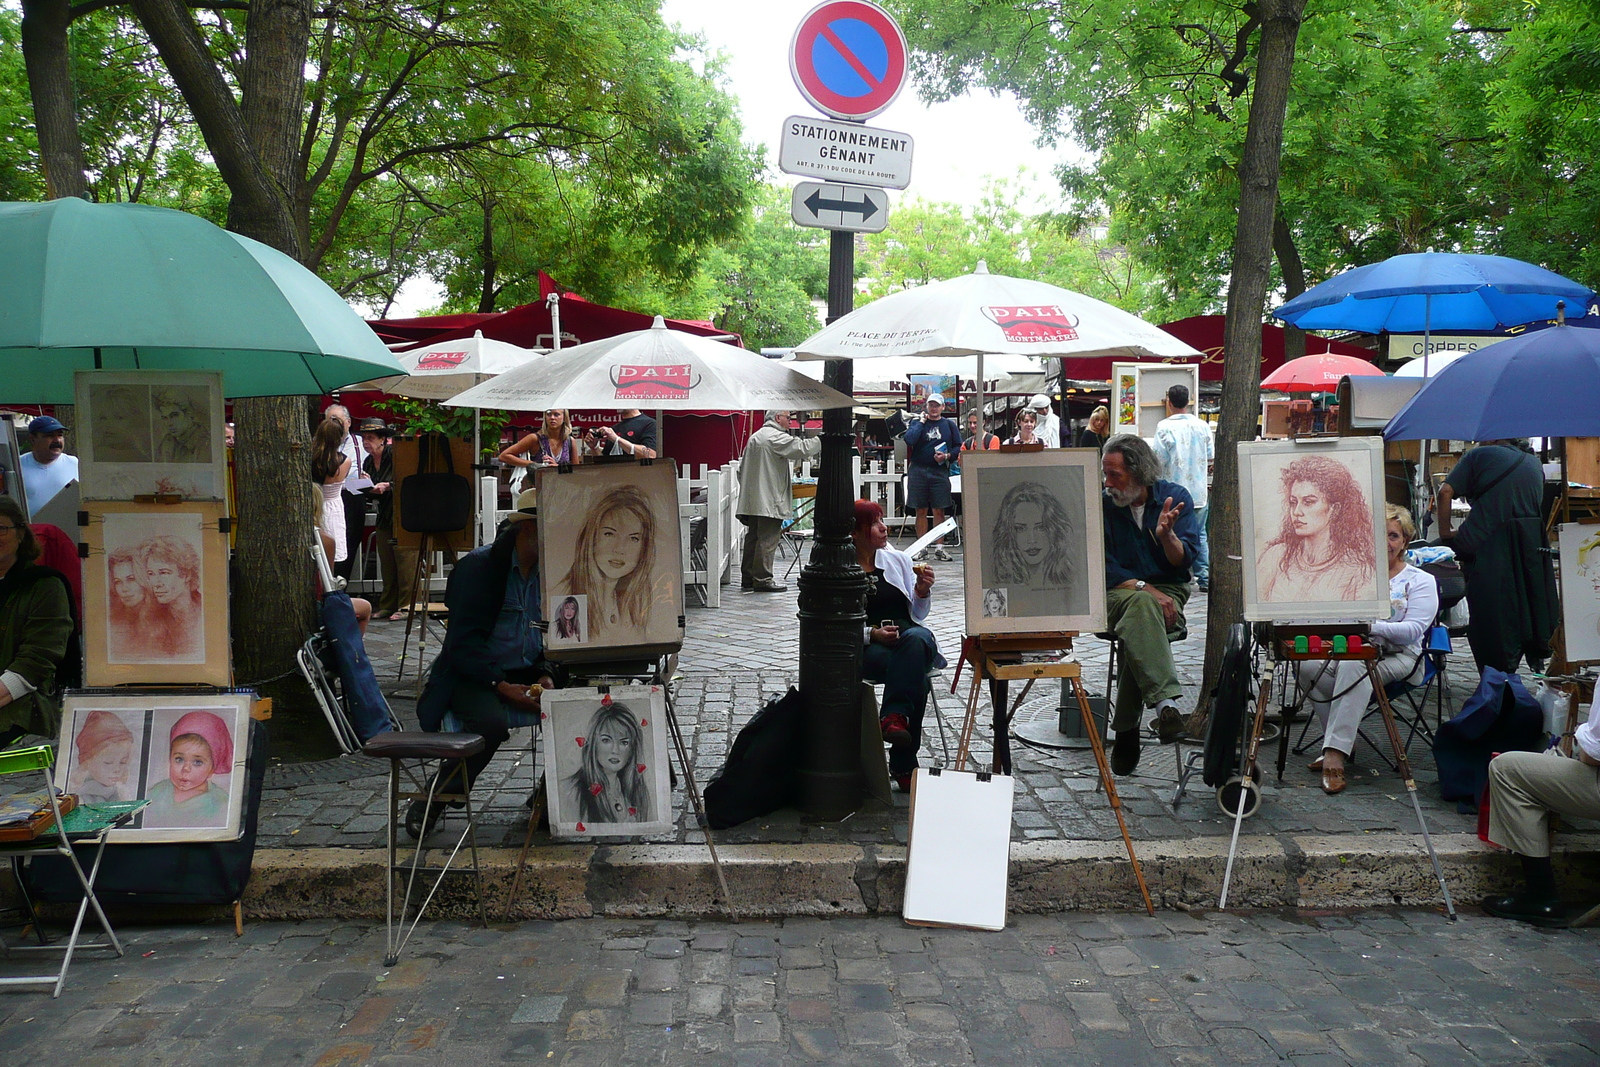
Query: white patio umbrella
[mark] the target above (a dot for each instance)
(658, 368)
(1427, 366)
(441, 370)
(986, 314)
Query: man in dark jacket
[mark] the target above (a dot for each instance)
(1504, 554)
(932, 443)
(1151, 542)
(492, 669)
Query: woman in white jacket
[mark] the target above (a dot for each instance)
(1340, 689)
(899, 651)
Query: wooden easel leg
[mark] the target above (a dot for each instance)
(1411, 783)
(534, 815)
(964, 747)
(238, 918)
(411, 609)
(1110, 787)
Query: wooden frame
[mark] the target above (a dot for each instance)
(1278, 585)
(1055, 581)
(1139, 394)
(149, 433)
(167, 624)
(633, 608)
(143, 746)
(585, 733)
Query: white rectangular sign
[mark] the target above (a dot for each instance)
(1409, 345)
(845, 152)
(854, 208)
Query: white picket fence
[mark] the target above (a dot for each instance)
(707, 567)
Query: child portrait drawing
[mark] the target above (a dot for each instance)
(200, 747)
(105, 763)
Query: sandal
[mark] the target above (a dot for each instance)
(1333, 780)
(397, 616)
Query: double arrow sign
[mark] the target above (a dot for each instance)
(855, 208)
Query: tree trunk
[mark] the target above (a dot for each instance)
(1294, 281)
(257, 204)
(55, 114)
(1247, 294)
(277, 41)
(491, 261)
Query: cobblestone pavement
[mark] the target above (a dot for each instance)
(1386, 988)
(737, 655)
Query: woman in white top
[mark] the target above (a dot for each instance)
(1340, 689)
(1027, 423)
(328, 469)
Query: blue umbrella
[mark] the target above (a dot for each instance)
(1425, 291)
(1544, 384)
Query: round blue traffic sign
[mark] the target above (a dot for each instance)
(849, 58)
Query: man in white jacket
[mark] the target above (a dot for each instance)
(765, 499)
(1049, 430)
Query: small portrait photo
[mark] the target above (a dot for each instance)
(570, 625)
(107, 753)
(606, 758)
(155, 606)
(182, 754)
(1313, 524)
(1032, 523)
(608, 538)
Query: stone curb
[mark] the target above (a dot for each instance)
(768, 881)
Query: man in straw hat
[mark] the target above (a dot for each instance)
(492, 668)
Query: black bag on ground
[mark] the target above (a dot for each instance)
(435, 501)
(1229, 706)
(762, 769)
(200, 873)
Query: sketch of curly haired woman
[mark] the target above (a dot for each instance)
(614, 564)
(1324, 549)
(1031, 537)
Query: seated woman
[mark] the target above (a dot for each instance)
(1340, 689)
(899, 651)
(36, 624)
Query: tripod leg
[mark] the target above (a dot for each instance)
(964, 746)
(1246, 766)
(411, 610)
(1411, 783)
(1110, 787)
(693, 792)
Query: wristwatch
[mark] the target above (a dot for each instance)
(1138, 585)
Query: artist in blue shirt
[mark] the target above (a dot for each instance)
(932, 444)
(1152, 540)
(491, 669)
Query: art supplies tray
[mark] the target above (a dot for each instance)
(24, 816)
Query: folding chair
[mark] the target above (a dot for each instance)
(86, 825)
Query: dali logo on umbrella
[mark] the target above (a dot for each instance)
(670, 381)
(441, 360)
(1034, 322)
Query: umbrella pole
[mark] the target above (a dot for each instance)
(1427, 345)
(978, 402)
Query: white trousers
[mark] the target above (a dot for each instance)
(1340, 691)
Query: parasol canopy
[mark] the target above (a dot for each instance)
(1317, 374)
(443, 369)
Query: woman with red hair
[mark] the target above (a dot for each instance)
(900, 651)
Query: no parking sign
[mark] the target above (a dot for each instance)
(848, 58)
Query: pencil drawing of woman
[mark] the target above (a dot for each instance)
(1324, 549)
(1031, 549)
(614, 565)
(129, 635)
(611, 783)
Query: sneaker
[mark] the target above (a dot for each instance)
(896, 728)
(1125, 753)
(920, 557)
(942, 556)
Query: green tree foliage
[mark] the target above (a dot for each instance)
(767, 280)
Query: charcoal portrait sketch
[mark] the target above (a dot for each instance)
(607, 757)
(1033, 534)
(151, 433)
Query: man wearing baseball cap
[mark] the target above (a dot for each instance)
(46, 468)
(931, 443)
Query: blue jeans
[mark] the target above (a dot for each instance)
(1202, 559)
(903, 669)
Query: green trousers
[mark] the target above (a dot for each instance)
(1148, 674)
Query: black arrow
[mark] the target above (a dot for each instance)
(865, 207)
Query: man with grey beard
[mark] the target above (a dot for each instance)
(1152, 540)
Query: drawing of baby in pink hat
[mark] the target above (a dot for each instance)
(200, 747)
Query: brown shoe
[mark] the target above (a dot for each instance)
(1333, 780)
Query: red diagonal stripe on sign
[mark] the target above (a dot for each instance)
(827, 34)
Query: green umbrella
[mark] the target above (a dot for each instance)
(131, 287)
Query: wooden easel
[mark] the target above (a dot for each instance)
(1283, 649)
(997, 658)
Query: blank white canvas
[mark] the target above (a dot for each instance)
(959, 854)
